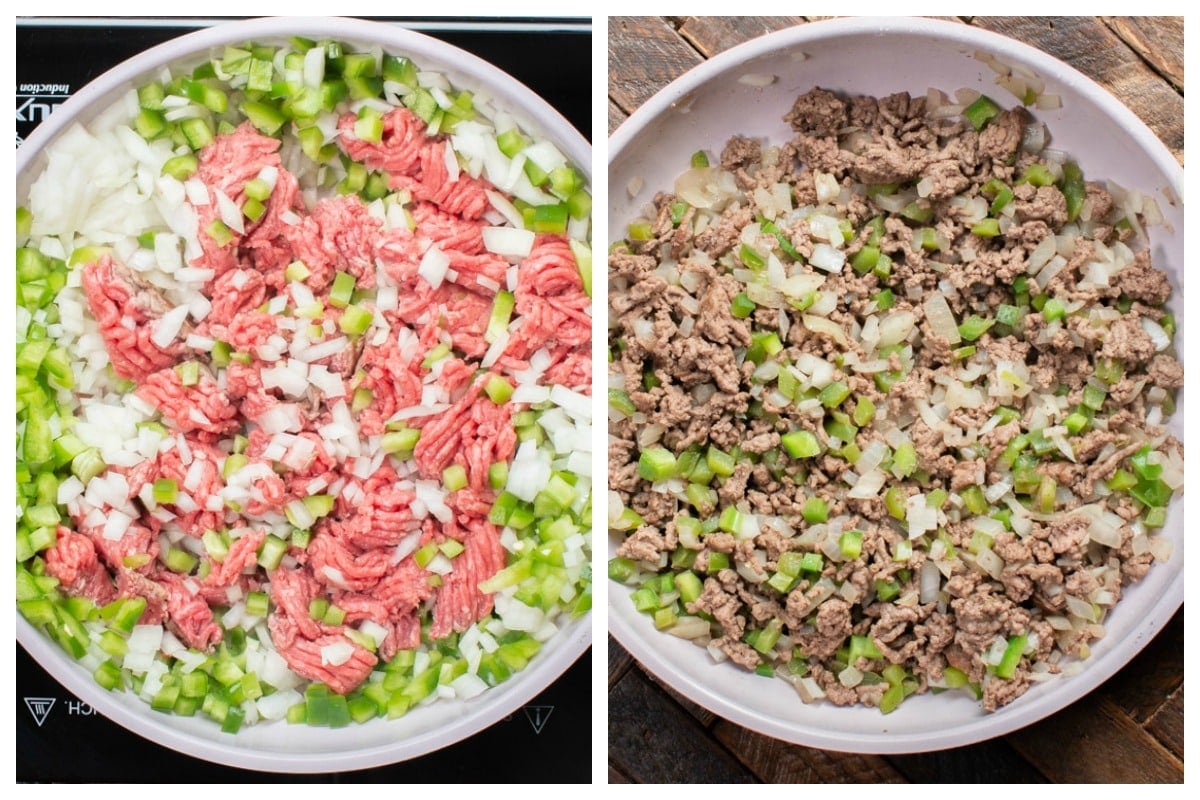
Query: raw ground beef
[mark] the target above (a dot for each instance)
(292, 442)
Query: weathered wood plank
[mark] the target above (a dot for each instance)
(1152, 676)
(651, 739)
(615, 776)
(1088, 45)
(615, 116)
(712, 35)
(1167, 724)
(773, 761)
(993, 761)
(1093, 741)
(619, 662)
(1159, 40)
(644, 55)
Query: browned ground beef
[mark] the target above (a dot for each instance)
(697, 370)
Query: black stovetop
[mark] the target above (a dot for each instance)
(61, 739)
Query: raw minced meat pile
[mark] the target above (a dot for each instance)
(886, 402)
(303, 387)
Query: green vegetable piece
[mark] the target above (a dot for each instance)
(1009, 315)
(678, 210)
(188, 372)
(812, 562)
(937, 498)
(699, 159)
(165, 490)
(891, 699)
(689, 585)
(865, 259)
(815, 510)
(927, 237)
(220, 233)
(986, 228)
(790, 563)
(904, 460)
(550, 218)
(1045, 494)
(253, 209)
(369, 125)
(974, 499)
(656, 464)
(1012, 656)
(1155, 517)
(801, 444)
(151, 96)
(565, 181)
(751, 258)
(400, 69)
(784, 243)
(1143, 467)
(834, 394)
(742, 306)
(864, 411)
(974, 326)
(717, 562)
(1038, 175)
(918, 211)
(271, 552)
(261, 72)
(180, 561)
(1074, 189)
(980, 112)
(1001, 201)
(850, 543)
(197, 132)
(721, 463)
(579, 204)
(342, 290)
(1076, 422)
(887, 590)
(763, 345)
(454, 477)
(355, 320)
(150, 124)
(511, 142)
(731, 520)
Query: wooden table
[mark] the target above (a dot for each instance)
(1128, 730)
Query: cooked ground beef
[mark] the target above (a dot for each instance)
(890, 401)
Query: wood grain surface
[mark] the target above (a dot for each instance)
(1130, 729)
(1091, 46)
(1158, 40)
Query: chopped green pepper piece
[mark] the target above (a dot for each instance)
(801, 444)
(1012, 656)
(656, 464)
(1038, 175)
(986, 228)
(1074, 189)
(982, 111)
(742, 306)
(974, 326)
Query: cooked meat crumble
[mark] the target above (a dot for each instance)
(887, 403)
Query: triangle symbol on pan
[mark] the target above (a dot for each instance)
(537, 716)
(39, 707)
